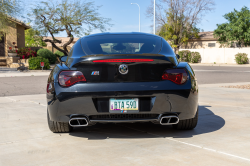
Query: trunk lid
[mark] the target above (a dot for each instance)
(110, 71)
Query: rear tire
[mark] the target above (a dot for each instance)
(58, 127)
(187, 124)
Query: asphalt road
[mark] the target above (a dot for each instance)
(221, 74)
(28, 85)
(14, 86)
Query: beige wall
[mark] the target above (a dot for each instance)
(200, 44)
(50, 48)
(220, 55)
(16, 33)
(20, 36)
(5, 45)
(11, 37)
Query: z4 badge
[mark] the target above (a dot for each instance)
(95, 73)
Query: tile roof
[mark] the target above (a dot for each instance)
(26, 26)
(209, 35)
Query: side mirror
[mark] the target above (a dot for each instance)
(178, 56)
(63, 58)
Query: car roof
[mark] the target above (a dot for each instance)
(120, 33)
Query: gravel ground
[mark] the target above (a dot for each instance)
(238, 86)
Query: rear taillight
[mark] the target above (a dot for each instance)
(123, 60)
(49, 87)
(68, 78)
(178, 76)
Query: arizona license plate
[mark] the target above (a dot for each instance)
(124, 105)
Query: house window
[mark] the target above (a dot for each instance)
(211, 44)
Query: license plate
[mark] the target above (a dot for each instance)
(124, 105)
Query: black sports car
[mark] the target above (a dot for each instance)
(121, 77)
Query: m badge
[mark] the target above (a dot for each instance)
(95, 73)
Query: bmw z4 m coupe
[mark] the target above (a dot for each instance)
(121, 77)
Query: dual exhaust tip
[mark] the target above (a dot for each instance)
(77, 122)
(169, 120)
(82, 121)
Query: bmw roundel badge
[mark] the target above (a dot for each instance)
(123, 69)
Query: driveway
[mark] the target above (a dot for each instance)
(221, 137)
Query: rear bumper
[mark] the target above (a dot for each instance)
(80, 100)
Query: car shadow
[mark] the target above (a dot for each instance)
(208, 122)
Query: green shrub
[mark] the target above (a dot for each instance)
(195, 57)
(241, 58)
(185, 55)
(45, 53)
(35, 63)
(59, 53)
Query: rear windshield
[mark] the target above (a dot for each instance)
(121, 44)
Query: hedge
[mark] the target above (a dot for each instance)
(195, 57)
(188, 56)
(45, 53)
(35, 63)
(241, 58)
(185, 55)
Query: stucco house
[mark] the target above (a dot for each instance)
(14, 37)
(205, 40)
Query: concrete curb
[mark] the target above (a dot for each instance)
(27, 71)
(224, 65)
(23, 74)
(223, 84)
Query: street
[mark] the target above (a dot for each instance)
(221, 74)
(33, 84)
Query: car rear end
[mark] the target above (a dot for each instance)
(122, 78)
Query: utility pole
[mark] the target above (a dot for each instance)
(139, 15)
(154, 16)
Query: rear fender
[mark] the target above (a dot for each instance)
(53, 77)
(194, 84)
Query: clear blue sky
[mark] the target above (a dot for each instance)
(125, 16)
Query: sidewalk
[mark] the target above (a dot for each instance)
(219, 64)
(13, 72)
(21, 74)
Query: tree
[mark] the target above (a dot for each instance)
(8, 9)
(33, 38)
(73, 17)
(177, 33)
(177, 19)
(237, 28)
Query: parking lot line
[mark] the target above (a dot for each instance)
(28, 101)
(222, 105)
(197, 146)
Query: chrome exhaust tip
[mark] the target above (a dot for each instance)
(169, 120)
(78, 122)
